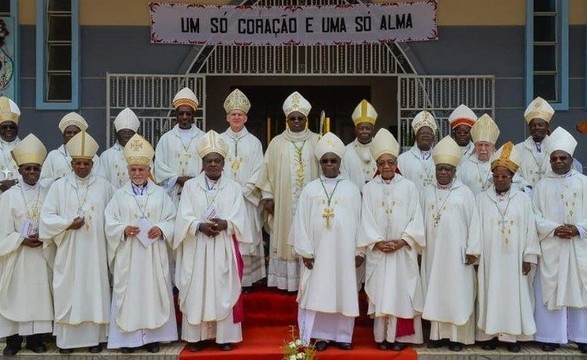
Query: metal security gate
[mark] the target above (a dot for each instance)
(150, 97)
(440, 95)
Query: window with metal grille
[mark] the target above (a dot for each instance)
(547, 51)
(57, 54)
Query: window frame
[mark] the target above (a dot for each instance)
(41, 70)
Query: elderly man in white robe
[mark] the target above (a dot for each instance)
(392, 230)
(112, 160)
(26, 303)
(357, 162)
(9, 117)
(461, 120)
(323, 233)
(176, 159)
(72, 219)
(58, 162)
(452, 247)
(416, 164)
(289, 165)
(509, 249)
(560, 199)
(211, 221)
(244, 159)
(534, 150)
(475, 170)
(139, 226)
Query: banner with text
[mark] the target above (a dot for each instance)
(284, 25)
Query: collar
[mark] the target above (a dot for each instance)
(237, 135)
(9, 144)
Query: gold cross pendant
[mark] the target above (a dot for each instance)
(328, 214)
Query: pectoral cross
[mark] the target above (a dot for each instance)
(6, 173)
(504, 222)
(436, 218)
(328, 214)
(235, 164)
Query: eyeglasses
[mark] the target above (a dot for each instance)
(328, 161)
(296, 118)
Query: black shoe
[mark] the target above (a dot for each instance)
(435, 344)
(345, 346)
(247, 289)
(153, 347)
(11, 350)
(13, 345)
(226, 346)
(65, 351)
(383, 345)
(488, 345)
(321, 345)
(95, 349)
(514, 347)
(582, 347)
(197, 346)
(398, 346)
(36, 347)
(549, 347)
(455, 346)
(127, 350)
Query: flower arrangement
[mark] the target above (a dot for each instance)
(295, 349)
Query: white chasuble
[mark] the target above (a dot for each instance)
(417, 167)
(114, 166)
(535, 160)
(358, 163)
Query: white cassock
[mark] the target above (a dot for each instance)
(508, 228)
(535, 164)
(475, 174)
(417, 167)
(114, 166)
(142, 299)
(392, 281)
(324, 229)
(289, 165)
(242, 164)
(8, 167)
(207, 269)
(175, 156)
(81, 291)
(58, 164)
(26, 302)
(452, 231)
(561, 290)
(358, 163)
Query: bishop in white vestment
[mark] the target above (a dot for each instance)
(26, 302)
(72, 219)
(243, 163)
(176, 159)
(560, 200)
(289, 165)
(509, 249)
(392, 230)
(9, 117)
(323, 233)
(112, 160)
(452, 247)
(211, 221)
(139, 228)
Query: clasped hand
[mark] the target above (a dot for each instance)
(154, 232)
(390, 246)
(213, 227)
(566, 231)
(77, 223)
(32, 241)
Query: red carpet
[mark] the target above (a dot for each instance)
(269, 314)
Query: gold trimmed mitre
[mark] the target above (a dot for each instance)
(561, 139)
(9, 111)
(75, 119)
(485, 129)
(237, 100)
(462, 115)
(187, 97)
(296, 102)
(424, 118)
(29, 150)
(384, 143)
(364, 113)
(329, 143)
(212, 142)
(447, 151)
(82, 146)
(507, 156)
(539, 108)
(138, 151)
(127, 119)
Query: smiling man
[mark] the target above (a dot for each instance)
(461, 120)
(9, 116)
(289, 165)
(26, 302)
(534, 150)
